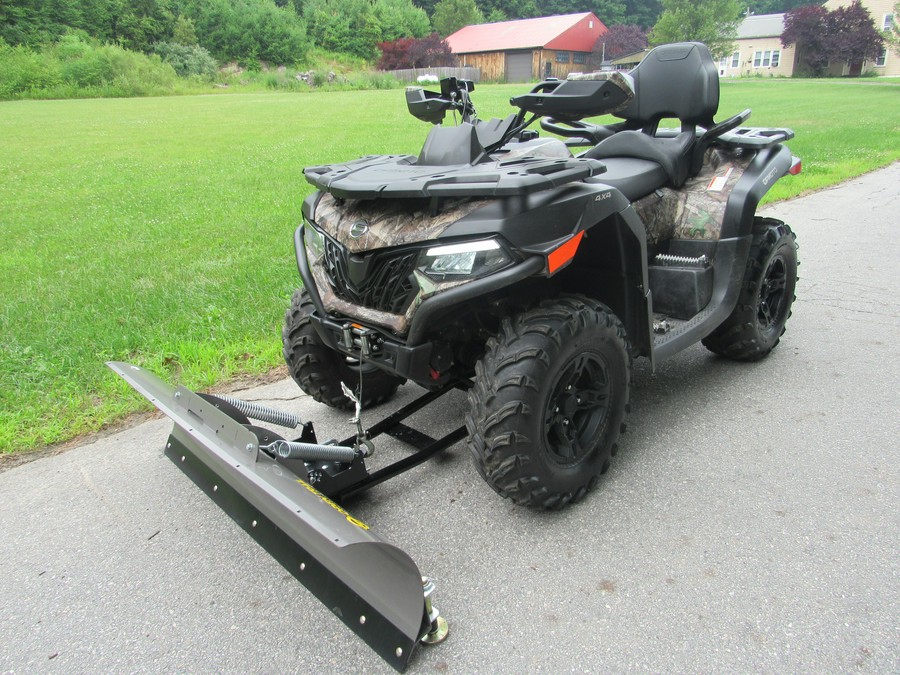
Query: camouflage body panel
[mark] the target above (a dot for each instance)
(390, 222)
(696, 210)
(397, 323)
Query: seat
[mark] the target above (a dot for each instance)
(676, 81)
(633, 177)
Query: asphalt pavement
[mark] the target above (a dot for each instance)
(749, 523)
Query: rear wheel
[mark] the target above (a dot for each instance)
(758, 321)
(549, 401)
(320, 370)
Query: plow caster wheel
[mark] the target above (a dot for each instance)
(439, 628)
(438, 633)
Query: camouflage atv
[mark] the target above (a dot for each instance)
(498, 258)
(500, 263)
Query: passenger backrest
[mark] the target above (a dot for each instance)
(677, 81)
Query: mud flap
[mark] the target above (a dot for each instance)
(373, 587)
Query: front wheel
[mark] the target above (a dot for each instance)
(767, 292)
(319, 370)
(549, 401)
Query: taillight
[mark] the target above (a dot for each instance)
(796, 167)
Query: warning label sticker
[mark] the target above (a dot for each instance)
(717, 184)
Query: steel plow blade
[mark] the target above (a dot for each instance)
(372, 586)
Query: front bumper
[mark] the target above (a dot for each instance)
(408, 356)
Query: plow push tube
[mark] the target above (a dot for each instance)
(373, 587)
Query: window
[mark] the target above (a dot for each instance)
(735, 59)
(881, 59)
(888, 22)
(767, 58)
(562, 57)
(579, 57)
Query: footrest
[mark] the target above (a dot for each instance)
(680, 286)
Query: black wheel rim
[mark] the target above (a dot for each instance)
(577, 409)
(772, 295)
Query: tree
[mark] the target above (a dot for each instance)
(713, 22)
(451, 15)
(807, 27)
(400, 18)
(248, 30)
(854, 38)
(619, 41)
(507, 10)
(845, 35)
(643, 13)
(608, 11)
(777, 6)
(415, 53)
(184, 32)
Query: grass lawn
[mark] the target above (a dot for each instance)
(159, 231)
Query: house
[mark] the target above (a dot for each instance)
(758, 50)
(528, 49)
(882, 12)
(629, 61)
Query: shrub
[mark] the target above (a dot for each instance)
(415, 53)
(23, 70)
(74, 67)
(187, 60)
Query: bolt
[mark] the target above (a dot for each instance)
(556, 409)
(215, 488)
(578, 400)
(177, 394)
(399, 652)
(302, 566)
(253, 523)
(362, 619)
(168, 446)
(182, 458)
(565, 423)
(249, 447)
(568, 387)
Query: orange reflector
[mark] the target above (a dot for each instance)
(564, 253)
(796, 167)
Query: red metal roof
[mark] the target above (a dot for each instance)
(575, 32)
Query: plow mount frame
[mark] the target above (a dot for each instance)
(372, 586)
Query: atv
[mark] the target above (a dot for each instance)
(527, 271)
(498, 257)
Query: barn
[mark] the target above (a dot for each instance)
(528, 49)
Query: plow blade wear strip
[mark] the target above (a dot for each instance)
(372, 586)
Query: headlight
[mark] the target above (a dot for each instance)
(471, 259)
(314, 242)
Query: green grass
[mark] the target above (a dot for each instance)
(159, 230)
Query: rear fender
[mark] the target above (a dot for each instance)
(767, 167)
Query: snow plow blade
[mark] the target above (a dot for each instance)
(372, 586)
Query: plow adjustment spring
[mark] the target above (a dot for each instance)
(264, 413)
(311, 452)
